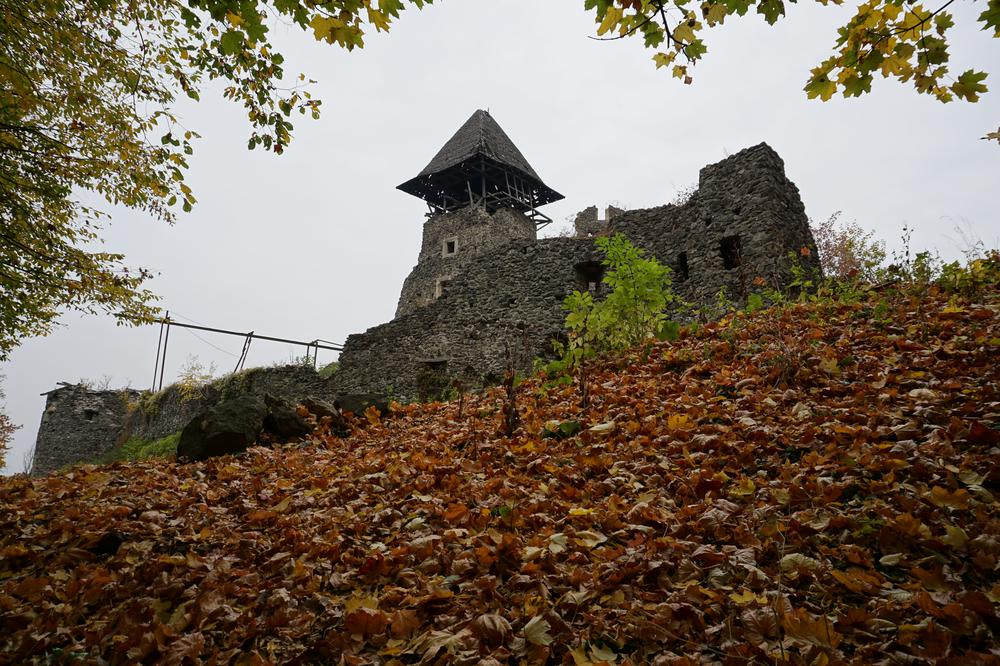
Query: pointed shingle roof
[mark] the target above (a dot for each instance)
(479, 149)
(480, 135)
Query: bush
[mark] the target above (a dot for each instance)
(634, 310)
(848, 251)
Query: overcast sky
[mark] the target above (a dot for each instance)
(316, 243)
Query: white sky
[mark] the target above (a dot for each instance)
(316, 243)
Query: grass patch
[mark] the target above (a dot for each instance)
(137, 448)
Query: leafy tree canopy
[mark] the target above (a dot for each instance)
(900, 39)
(86, 104)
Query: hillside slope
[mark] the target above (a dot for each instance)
(808, 485)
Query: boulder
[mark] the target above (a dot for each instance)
(359, 402)
(319, 408)
(282, 420)
(229, 427)
(322, 409)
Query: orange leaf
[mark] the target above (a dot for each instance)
(366, 621)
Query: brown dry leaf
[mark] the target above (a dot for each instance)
(365, 621)
(492, 629)
(801, 625)
(536, 631)
(589, 538)
(942, 497)
(858, 580)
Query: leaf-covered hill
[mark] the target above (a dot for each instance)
(813, 484)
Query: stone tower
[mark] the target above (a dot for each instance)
(481, 194)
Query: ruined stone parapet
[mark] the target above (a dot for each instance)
(587, 222)
(79, 423)
(741, 224)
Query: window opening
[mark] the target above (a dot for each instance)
(682, 267)
(440, 288)
(729, 248)
(449, 247)
(589, 275)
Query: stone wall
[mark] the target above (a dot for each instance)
(78, 424)
(450, 243)
(82, 425)
(170, 410)
(741, 224)
(511, 298)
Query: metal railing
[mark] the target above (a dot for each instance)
(312, 347)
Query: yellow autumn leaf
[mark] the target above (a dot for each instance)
(744, 488)
(611, 18)
(684, 33)
(664, 59)
(323, 27)
(678, 422)
(716, 13)
(955, 536)
(747, 597)
(378, 19)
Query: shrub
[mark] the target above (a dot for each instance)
(848, 251)
(193, 378)
(634, 310)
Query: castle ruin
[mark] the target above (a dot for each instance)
(483, 277)
(484, 284)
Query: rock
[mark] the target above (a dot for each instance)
(319, 408)
(229, 427)
(359, 402)
(282, 420)
(322, 409)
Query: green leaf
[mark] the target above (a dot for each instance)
(991, 17)
(695, 49)
(969, 85)
(772, 10)
(855, 85)
(670, 330)
(231, 42)
(820, 87)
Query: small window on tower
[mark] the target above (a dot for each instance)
(449, 247)
(729, 248)
(682, 267)
(440, 288)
